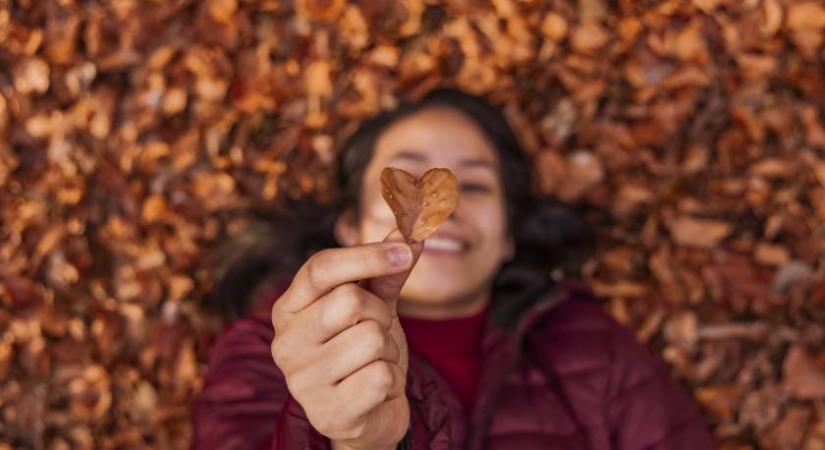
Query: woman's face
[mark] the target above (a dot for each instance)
(456, 269)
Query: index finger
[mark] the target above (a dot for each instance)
(329, 268)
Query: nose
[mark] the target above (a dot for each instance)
(454, 216)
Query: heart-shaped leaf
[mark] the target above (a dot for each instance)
(420, 206)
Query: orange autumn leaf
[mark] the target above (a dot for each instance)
(419, 205)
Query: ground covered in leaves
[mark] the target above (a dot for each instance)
(134, 134)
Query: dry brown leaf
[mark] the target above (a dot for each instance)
(721, 400)
(762, 407)
(771, 17)
(690, 45)
(682, 330)
(554, 27)
(318, 78)
(803, 376)
(215, 190)
(770, 254)
(630, 198)
(589, 37)
(707, 6)
(790, 431)
(584, 170)
(419, 205)
(31, 76)
(695, 232)
(222, 11)
(594, 10)
(806, 16)
(327, 10)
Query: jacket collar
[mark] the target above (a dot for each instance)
(501, 348)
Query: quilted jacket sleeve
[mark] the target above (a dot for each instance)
(245, 404)
(646, 408)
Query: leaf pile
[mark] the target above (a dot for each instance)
(134, 134)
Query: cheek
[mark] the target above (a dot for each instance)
(376, 220)
(490, 218)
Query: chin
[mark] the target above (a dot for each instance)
(429, 293)
(436, 285)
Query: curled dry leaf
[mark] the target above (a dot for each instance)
(584, 171)
(682, 330)
(318, 78)
(771, 17)
(222, 11)
(806, 16)
(589, 37)
(699, 232)
(4, 114)
(31, 76)
(790, 430)
(771, 254)
(762, 407)
(592, 9)
(554, 27)
(804, 376)
(421, 205)
(325, 10)
(722, 401)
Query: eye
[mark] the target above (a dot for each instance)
(474, 188)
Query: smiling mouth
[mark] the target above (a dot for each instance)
(444, 245)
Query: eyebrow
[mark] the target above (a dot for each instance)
(413, 155)
(409, 154)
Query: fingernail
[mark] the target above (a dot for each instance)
(399, 255)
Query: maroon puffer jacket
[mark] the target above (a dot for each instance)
(567, 377)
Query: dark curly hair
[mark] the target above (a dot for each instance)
(551, 240)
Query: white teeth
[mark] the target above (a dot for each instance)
(445, 244)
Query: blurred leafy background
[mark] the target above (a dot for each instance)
(136, 134)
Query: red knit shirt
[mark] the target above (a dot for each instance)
(453, 347)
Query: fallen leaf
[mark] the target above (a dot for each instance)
(584, 170)
(327, 10)
(772, 255)
(318, 82)
(589, 37)
(721, 400)
(31, 76)
(802, 376)
(554, 27)
(771, 17)
(695, 232)
(790, 431)
(419, 205)
(806, 16)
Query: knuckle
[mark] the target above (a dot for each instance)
(382, 376)
(314, 271)
(353, 303)
(275, 347)
(374, 339)
(298, 384)
(349, 430)
(324, 423)
(395, 352)
(354, 431)
(373, 327)
(278, 316)
(279, 352)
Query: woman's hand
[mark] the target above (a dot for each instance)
(340, 346)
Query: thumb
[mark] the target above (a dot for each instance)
(388, 287)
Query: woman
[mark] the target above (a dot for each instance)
(466, 341)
